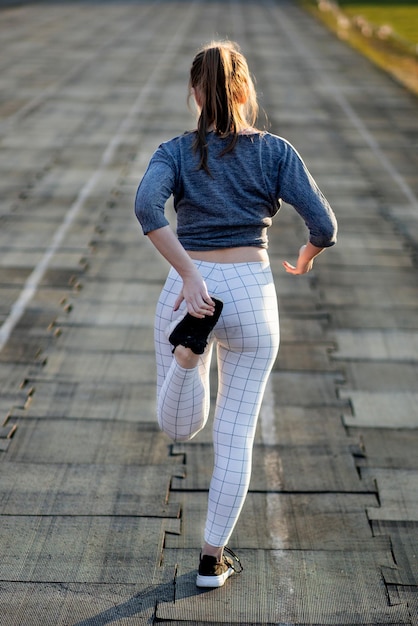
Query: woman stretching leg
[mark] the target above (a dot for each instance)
(227, 179)
(245, 359)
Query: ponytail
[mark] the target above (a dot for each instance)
(225, 94)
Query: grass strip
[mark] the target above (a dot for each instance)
(401, 17)
(377, 40)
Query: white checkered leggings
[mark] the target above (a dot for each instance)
(247, 339)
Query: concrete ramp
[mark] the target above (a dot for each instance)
(101, 516)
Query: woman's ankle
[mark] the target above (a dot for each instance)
(185, 357)
(215, 551)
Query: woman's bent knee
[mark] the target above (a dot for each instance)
(178, 437)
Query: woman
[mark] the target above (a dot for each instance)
(228, 180)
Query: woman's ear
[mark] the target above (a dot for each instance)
(197, 96)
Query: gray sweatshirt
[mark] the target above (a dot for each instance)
(235, 204)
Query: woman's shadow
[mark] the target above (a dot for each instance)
(147, 600)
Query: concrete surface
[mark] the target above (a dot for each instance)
(100, 515)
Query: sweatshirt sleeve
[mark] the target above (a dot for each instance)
(156, 186)
(298, 188)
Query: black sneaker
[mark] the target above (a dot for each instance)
(192, 332)
(213, 573)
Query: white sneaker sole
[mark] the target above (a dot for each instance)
(213, 581)
(169, 329)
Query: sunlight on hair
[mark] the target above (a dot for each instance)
(224, 91)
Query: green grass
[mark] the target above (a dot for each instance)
(396, 53)
(401, 15)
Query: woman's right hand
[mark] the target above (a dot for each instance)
(304, 264)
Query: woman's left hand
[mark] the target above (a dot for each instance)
(195, 293)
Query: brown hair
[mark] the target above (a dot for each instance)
(225, 92)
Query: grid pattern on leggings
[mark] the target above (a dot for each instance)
(182, 405)
(247, 337)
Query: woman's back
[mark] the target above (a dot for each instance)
(233, 201)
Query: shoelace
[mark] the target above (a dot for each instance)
(236, 561)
